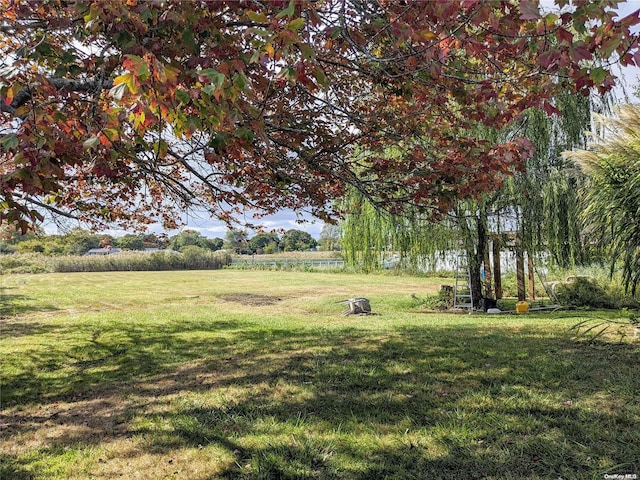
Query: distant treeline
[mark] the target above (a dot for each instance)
(79, 242)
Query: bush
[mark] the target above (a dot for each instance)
(582, 292)
(591, 286)
(585, 291)
(442, 301)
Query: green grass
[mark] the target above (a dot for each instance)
(256, 375)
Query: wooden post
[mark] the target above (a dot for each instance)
(497, 275)
(531, 272)
(520, 270)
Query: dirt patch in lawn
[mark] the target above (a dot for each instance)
(251, 299)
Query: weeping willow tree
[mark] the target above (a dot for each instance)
(542, 201)
(540, 204)
(612, 192)
(371, 238)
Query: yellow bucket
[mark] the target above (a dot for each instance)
(522, 307)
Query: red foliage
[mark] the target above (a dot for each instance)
(128, 111)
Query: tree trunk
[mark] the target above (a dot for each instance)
(530, 271)
(520, 269)
(475, 264)
(497, 274)
(488, 280)
(483, 255)
(476, 246)
(471, 245)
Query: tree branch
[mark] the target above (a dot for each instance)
(24, 95)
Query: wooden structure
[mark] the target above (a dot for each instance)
(525, 276)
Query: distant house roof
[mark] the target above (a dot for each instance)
(103, 251)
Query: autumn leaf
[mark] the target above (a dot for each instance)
(550, 109)
(183, 96)
(214, 76)
(136, 65)
(320, 76)
(609, 45)
(579, 51)
(270, 50)
(564, 35)
(118, 90)
(12, 91)
(530, 9)
(189, 40)
(415, 72)
(258, 17)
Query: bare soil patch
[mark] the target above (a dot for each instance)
(251, 299)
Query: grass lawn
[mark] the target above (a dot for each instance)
(256, 375)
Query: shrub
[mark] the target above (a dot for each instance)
(442, 301)
(584, 291)
(592, 286)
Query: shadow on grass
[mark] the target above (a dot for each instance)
(14, 304)
(412, 402)
(11, 468)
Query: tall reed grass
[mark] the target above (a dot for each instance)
(191, 259)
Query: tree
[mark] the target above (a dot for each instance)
(35, 241)
(151, 240)
(237, 240)
(543, 199)
(297, 240)
(264, 243)
(10, 236)
(79, 242)
(215, 243)
(193, 238)
(127, 111)
(131, 242)
(34, 245)
(54, 244)
(539, 205)
(329, 239)
(612, 191)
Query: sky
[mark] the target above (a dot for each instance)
(283, 220)
(288, 219)
(212, 228)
